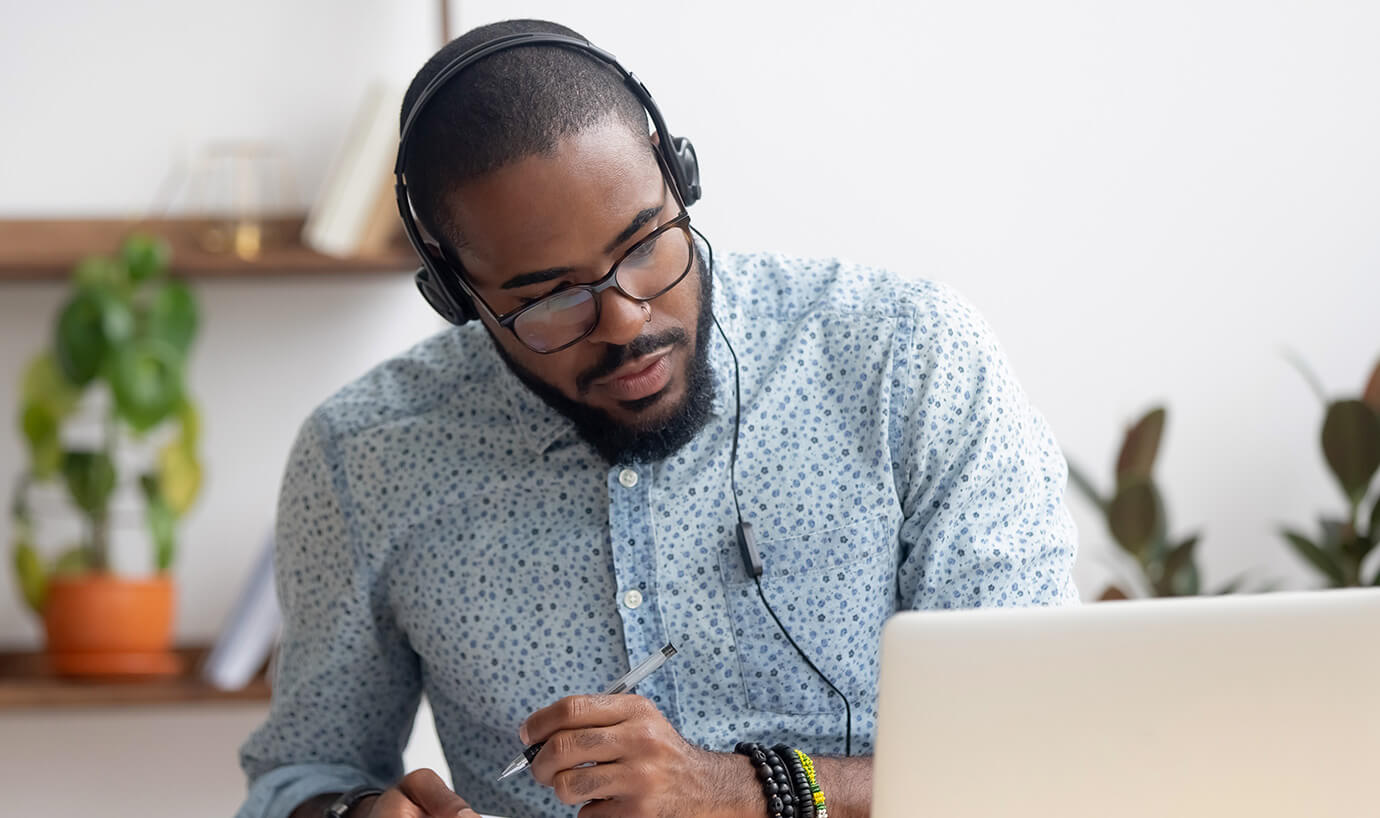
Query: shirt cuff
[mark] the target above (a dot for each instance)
(276, 793)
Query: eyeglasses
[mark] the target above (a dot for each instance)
(647, 270)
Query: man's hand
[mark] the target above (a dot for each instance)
(642, 766)
(420, 794)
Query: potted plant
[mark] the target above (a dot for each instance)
(1351, 447)
(106, 415)
(1137, 519)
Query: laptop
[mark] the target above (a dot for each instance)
(1262, 706)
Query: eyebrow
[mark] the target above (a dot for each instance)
(538, 276)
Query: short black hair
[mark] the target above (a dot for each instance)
(516, 103)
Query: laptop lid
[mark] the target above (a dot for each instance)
(1264, 706)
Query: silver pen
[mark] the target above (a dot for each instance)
(629, 680)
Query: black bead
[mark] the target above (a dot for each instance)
(774, 804)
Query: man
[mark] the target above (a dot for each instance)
(511, 514)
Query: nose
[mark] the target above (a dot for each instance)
(620, 319)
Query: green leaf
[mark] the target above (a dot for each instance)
(1080, 480)
(1187, 582)
(179, 477)
(1355, 548)
(40, 428)
(1334, 532)
(90, 480)
(1180, 556)
(146, 379)
(172, 316)
(43, 383)
(33, 580)
(145, 256)
(1370, 396)
(190, 418)
(1351, 442)
(99, 272)
(91, 324)
(1142, 445)
(163, 526)
(1320, 559)
(1134, 516)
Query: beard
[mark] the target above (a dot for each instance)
(619, 442)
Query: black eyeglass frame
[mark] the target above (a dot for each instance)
(610, 279)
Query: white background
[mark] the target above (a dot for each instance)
(1147, 200)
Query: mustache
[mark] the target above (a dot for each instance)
(616, 356)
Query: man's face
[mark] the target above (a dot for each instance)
(548, 221)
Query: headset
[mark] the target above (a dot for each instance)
(439, 279)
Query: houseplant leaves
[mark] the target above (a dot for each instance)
(144, 257)
(40, 427)
(172, 316)
(179, 477)
(92, 322)
(1134, 516)
(1370, 396)
(1351, 443)
(146, 380)
(33, 579)
(1319, 558)
(90, 480)
(1142, 445)
(162, 522)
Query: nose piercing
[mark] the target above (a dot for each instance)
(647, 310)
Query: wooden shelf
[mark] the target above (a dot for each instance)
(26, 681)
(47, 250)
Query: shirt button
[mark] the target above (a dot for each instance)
(628, 478)
(633, 598)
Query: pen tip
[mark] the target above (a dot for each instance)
(513, 768)
(669, 650)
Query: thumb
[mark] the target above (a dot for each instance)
(426, 789)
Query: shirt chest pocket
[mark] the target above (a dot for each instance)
(832, 590)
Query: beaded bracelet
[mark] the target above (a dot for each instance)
(776, 781)
(804, 799)
(816, 793)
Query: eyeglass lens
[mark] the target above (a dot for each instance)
(650, 269)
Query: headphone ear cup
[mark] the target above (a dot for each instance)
(688, 169)
(441, 300)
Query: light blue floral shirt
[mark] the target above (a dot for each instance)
(441, 530)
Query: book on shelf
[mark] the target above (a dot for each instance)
(250, 631)
(355, 214)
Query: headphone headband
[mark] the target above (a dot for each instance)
(437, 280)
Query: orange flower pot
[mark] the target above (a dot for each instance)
(103, 625)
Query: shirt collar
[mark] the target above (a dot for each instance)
(540, 426)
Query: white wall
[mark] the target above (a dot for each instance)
(1147, 200)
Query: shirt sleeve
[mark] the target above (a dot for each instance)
(347, 683)
(981, 478)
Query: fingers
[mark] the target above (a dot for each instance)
(602, 781)
(426, 790)
(572, 748)
(576, 712)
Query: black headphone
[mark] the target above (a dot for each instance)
(438, 279)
